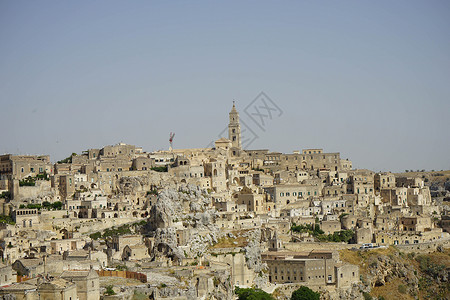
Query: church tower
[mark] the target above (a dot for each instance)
(234, 129)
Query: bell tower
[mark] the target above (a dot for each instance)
(234, 128)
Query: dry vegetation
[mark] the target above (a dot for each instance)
(432, 176)
(391, 290)
(228, 242)
(118, 281)
(396, 288)
(360, 256)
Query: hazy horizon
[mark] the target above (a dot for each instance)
(367, 79)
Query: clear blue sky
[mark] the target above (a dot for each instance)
(368, 79)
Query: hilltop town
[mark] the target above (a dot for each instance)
(122, 223)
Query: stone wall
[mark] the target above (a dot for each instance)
(307, 246)
(124, 274)
(425, 247)
(42, 188)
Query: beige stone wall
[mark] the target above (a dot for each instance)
(6, 275)
(309, 246)
(240, 273)
(42, 188)
(330, 227)
(346, 275)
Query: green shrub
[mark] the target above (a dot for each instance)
(252, 294)
(109, 290)
(7, 220)
(152, 192)
(5, 195)
(402, 289)
(367, 296)
(67, 160)
(305, 293)
(96, 235)
(160, 169)
(29, 181)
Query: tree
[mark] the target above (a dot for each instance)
(252, 294)
(67, 159)
(109, 290)
(56, 205)
(305, 293)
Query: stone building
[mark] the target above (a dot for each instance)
(26, 218)
(311, 268)
(216, 170)
(6, 275)
(57, 289)
(234, 132)
(120, 241)
(282, 195)
(416, 223)
(29, 267)
(361, 182)
(20, 291)
(21, 166)
(253, 200)
(384, 181)
(87, 283)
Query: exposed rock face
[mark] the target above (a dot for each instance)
(190, 205)
(432, 276)
(166, 244)
(353, 293)
(129, 185)
(253, 258)
(198, 244)
(188, 202)
(383, 269)
(167, 207)
(447, 185)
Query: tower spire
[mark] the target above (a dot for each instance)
(234, 128)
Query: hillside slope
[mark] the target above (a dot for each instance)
(391, 274)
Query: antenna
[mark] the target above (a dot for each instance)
(171, 136)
